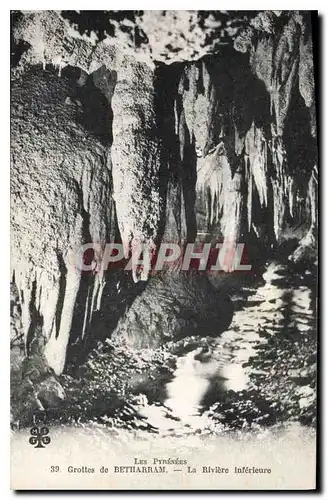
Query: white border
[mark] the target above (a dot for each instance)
(321, 6)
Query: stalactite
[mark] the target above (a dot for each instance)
(291, 196)
(215, 178)
(137, 161)
(306, 69)
(307, 248)
(55, 350)
(256, 149)
(92, 304)
(307, 91)
(275, 60)
(249, 182)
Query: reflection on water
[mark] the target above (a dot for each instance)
(273, 307)
(192, 380)
(262, 351)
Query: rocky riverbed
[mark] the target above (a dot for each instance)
(260, 372)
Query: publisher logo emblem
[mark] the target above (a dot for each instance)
(39, 437)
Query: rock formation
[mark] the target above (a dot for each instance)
(174, 306)
(152, 126)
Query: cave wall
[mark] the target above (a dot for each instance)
(117, 136)
(60, 198)
(253, 124)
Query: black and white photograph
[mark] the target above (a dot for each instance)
(164, 180)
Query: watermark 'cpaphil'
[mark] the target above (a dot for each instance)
(208, 257)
